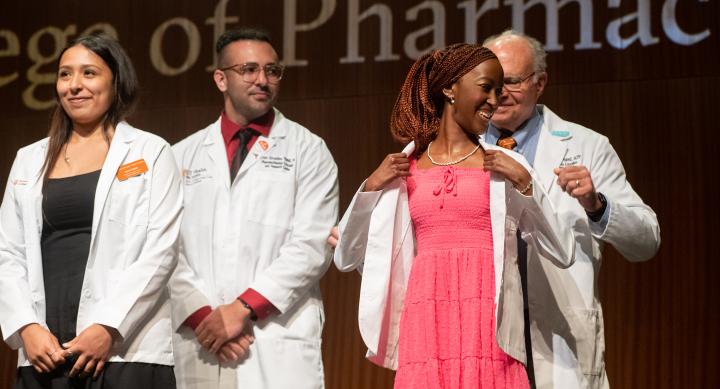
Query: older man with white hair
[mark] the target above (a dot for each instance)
(586, 181)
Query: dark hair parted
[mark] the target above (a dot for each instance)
(419, 106)
(125, 90)
(242, 34)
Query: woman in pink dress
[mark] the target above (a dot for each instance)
(465, 201)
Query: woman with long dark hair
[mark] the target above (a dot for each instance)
(88, 231)
(434, 231)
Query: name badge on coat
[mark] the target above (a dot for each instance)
(131, 169)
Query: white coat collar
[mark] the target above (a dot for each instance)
(215, 146)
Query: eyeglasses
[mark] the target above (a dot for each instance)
(514, 84)
(250, 71)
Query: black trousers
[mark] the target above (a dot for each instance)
(522, 266)
(115, 375)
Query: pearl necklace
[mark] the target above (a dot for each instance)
(451, 162)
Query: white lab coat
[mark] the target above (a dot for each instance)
(376, 235)
(267, 232)
(135, 227)
(565, 312)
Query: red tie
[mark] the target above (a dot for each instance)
(506, 140)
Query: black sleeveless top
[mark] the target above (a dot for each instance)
(65, 243)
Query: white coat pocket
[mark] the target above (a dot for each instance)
(590, 343)
(272, 200)
(128, 201)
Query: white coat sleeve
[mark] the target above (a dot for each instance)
(185, 287)
(186, 295)
(353, 230)
(304, 258)
(16, 305)
(541, 225)
(143, 283)
(632, 226)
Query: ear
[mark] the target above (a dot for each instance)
(449, 93)
(541, 82)
(220, 80)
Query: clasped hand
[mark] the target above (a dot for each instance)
(227, 332)
(92, 348)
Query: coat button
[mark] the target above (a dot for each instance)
(87, 293)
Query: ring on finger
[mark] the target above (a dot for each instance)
(577, 183)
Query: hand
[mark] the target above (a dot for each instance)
(393, 166)
(42, 348)
(333, 238)
(224, 323)
(236, 349)
(92, 347)
(576, 181)
(499, 162)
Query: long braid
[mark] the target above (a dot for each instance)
(418, 108)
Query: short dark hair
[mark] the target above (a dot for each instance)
(242, 34)
(125, 92)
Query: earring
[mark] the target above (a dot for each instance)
(452, 100)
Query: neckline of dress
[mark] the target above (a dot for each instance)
(413, 162)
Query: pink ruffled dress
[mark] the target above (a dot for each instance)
(447, 328)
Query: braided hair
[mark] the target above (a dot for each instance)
(419, 106)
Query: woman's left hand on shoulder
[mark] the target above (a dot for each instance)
(498, 162)
(92, 348)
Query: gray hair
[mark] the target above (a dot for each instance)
(537, 49)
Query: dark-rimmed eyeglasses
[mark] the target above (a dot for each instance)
(514, 84)
(250, 71)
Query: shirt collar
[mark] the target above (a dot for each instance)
(522, 134)
(263, 124)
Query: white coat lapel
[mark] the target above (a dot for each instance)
(214, 146)
(377, 267)
(497, 220)
(119, 147)
(378, 270)
(551, 150)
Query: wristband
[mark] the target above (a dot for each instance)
(597, 215)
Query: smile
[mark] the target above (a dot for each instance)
(77, 102)
(486, 115)
(77, 99)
